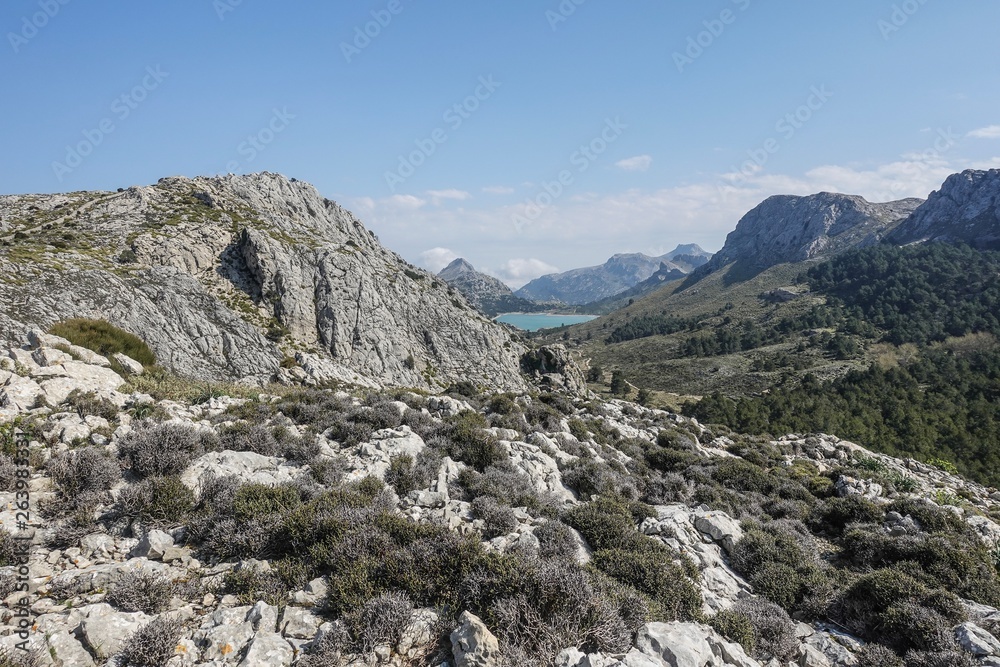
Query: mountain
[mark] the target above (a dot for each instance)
(594, 283)
(786, 228)
(488, 294)
(668, 272)
(227, 277)
(966, 209)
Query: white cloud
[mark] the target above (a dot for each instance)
(440, 196)
(436, 259)
(405, 202)
(498, 190)
(637, 163)
(519, 272)
(583, 228)
(991, 132)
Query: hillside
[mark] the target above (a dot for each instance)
(487, 294)
(621, 272)
(316, 528)
(243, 278)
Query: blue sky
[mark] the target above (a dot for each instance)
(524, 136)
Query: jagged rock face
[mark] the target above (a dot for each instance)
(489, 295)
(224, 277)
(787, 228)
(593, 283)
(966, 209)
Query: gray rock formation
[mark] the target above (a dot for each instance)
(594, 283)
(226, 277)
(488, 294)
(966, 209)
(787, 228)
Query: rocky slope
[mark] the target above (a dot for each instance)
(786, 228)
(965, 210)
(119, 575)
(594, 283)
(488, 294)
(226, 277)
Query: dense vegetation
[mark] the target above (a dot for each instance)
(104, 338)
(944, 402)
(943, 405)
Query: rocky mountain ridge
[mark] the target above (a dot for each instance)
(965, 210)
(243, 277)
(787, 228)
(489, 295)
(621, 272)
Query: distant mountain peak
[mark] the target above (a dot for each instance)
(621, 272)
(457, 268)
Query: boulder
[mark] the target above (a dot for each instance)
(128, 364)
(472, 643)
(268, 649)
(976, 640)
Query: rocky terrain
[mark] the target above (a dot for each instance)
(487, 294)
(786, 228)
(247, 278)
(395, 528)
(594, 283)
(965, 210)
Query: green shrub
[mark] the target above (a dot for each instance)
(470, 444)
(156, 501)
(834, 514)
(744, 477)
(252, 583)
(607, 523)
(877, 655)
(762, 628)
(655, 573)
(89, 404)
(254, 500)
(882, 601)
(104, 338)
(735, 627)
(8, 548)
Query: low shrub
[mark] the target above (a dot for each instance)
(877, 606)
(381, 620)
(160, 449)
(156, 501)
(877, 655)
(556, 540)
(498, 519)
(89, 404)
(833, 515)
(8, 548)
(773, 631)
(104, 338)
(8, 473)
(246, 437)
(140, 590)
(469, 443)
(252, 583)
(82, 474)
(656, 573)
(152, 645)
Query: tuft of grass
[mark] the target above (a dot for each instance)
(104, 338)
